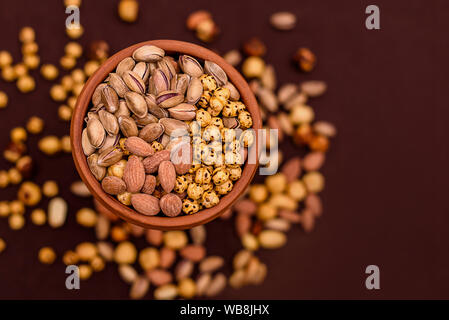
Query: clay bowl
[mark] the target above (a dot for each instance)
(109, 203)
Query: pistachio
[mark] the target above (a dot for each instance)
(142, 122)
(98, 171)
(109, 122)
(234, 93)
(159, 82)
(174, 127)
(194, 91)
(183, 111)
(95, 132)
(230, 123)
(148, 53)
(136, 103)
(142, 70)
(110, 99)
(168, 99)
(117, 83)
(167, 67)
(125, 65)
(151, 132)
(217, 72)
(153, 108)
(122, 109)
(110, 141)
(283, 20)
(109, 157)
(88, 149)
(96, 97)
(134, 82)
(181, 82)
(286, 91)
(268, 99)
(190, 66)
(128, 126)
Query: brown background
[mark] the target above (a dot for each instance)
(386, 199)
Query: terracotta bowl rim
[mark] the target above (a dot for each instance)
(127, 213)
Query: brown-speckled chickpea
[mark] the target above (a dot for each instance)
(195, 166)
(233, 158)
(121, 143)
(240, 106)
(228, 135)
(224, 188)
(204, 100)
(194, 191)
(203, 117)
(216, 105)
(207, 186)
(117, 169)
(230, 109)
(216, 121)
(125, 198)
(210, 199)
(189, 206)
(220, 175)
(208, 82)
(235, 172)
(247, 138)
(245, 119)
(181, 184)
(211, 133)
(157, 146)
(202, 176)
(223, 93)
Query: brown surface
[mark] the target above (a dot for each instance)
(387, 175)
(128, 214)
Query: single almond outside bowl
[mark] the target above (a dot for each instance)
(127, 213)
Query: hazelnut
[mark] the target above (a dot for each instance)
(25, 166)
(73, 49)
(254, 47)
(16, 221)
(70, 257)
(50, 189)
(26, 84)
(305, 59)
(4, 179)
(38, 217)
(14, 176)
(18, 134)
(58, 93)
(5, 58)
(31, 61)
(75, 32)
(4, 209)
(98, 50)
(128, 10)
(16, 207)
(85, 271)
(67, 62)
(253, 67)
(196, 18)
(3, 99)
(14, 151)
(27, 35)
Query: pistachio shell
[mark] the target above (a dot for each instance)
(174, 127)
(217, 72)
(142, 70)
(128, 126)
(167, 67)
(153, 108)
(134, 81)
(183, 111)
(180, 83)
(122, 109)
(88, 149)
(136, 103)
(96, 97)
(151, 132)
(109, 157)
(190, 66)
(95, 132)
(159, 82)
(109, 98)
(125, 65)
(110, 141)
(117, 83)
(142, 122)
(98, 171)
(148, 53)
(109, 122)
(168, 99)
(194, 91)
(235, 94)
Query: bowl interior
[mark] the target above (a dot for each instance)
(127, 213)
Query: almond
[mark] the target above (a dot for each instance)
(159, 277)
(181, 155)
(149, 184)
(113, 185)
(193, 252)
(138, 147)
(170, 204)
(151, 163)
(167, 176)
(292, 169)
(134, 174)
(145, 204)
(154, 237)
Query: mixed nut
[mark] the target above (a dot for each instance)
(167, 135)
(174, 263)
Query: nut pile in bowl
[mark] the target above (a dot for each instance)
(167, 134)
